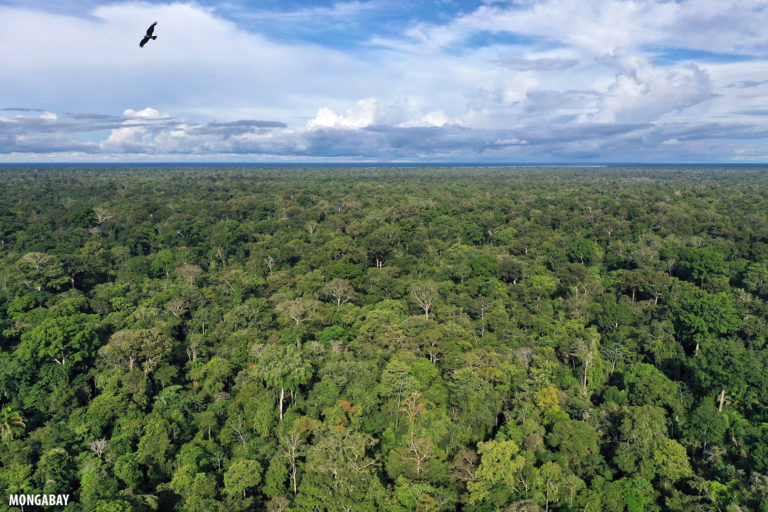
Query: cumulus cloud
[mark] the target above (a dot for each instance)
(642, 92)
(366, 112)
(434, 118)
(147, 113)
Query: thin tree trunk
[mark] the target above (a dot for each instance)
(722, 399)
(282, 396)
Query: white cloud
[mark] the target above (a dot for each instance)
(434, 118)
(643, 92)
(573, 79)
(199, 62)
(147, 113)
(366, 112)
(601, 26)
(166, 138)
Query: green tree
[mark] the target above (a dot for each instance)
(558, 485)
(699, 315)
(149, 346)
(63, 338)
(671, 462)
(293, 444)
(500, 465)
(578, 442)
(40, 270)
(282, 367)
(646, 385)
(242, 474)
(340, 475)
(585, 251)
(197, 489)
(10, 421)
(701, 262)
(54, 471)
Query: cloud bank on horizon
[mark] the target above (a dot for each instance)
(309, 80)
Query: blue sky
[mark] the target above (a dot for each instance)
(532, 81)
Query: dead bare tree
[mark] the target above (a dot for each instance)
(341, 290)
(269, 261)
(425, 294)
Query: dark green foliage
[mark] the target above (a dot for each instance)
(700, 315)
(701, 263)
(304, 339)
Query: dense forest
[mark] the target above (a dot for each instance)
(395, 339)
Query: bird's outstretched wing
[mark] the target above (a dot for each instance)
(143, 41)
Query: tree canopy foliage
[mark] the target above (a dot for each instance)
(398, 339)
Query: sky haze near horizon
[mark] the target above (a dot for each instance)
(532, 81)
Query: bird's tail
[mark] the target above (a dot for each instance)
(154, 37)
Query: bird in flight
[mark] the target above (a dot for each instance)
(149, 35)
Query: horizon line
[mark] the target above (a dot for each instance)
(387, 164)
